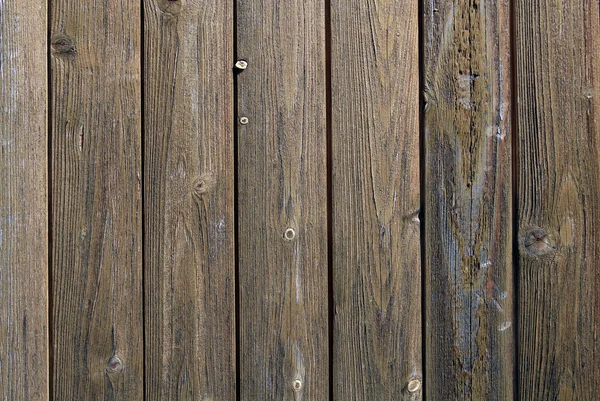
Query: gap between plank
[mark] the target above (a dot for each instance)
(514, 185)
(236, 273)
(329, 168)
(422, 217)
(50, 318)
(143, 194)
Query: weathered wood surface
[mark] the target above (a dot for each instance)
(282, 190)
(96, 200)
(301, 261)
(469, 324)
(557, 79)
(375, 200)
(188, 202)
(23, 201)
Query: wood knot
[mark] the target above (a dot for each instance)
(505, 326)
(170, 7)
(63, 45)
(537, 242)
(202, 185)
(297, 385)
(414, 217)
(114, 365)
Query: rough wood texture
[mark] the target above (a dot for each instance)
(189, 188)
(23, 201)
(558, 67)
(282, 201)
(96, 200)
(469, 327)
(375, 162)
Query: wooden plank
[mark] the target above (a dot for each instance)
(23, 201)
(188, 202)
(558, 198)
(375, 177)
(96, 200)
(282, 195)
(469, 328)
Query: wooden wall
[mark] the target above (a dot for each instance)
(231, 200)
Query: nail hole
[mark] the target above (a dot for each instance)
(297, 385)
(244, 120)
(289, 234)
(241, 65)
(414, 385)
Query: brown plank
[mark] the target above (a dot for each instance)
(23, 201)
(188, 202)
(96, 200)
(558, 68)
(375, 178)
(469, 324)
(282, 189)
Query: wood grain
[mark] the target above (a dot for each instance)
(375, 205)
(96, 200)
(469, 327)
(281, 186)
(558, 68)
(188, 202)
(23, 201)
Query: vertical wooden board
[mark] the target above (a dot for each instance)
(188, 202)
(558, 68)
(282, 195)
(375, 178)
(469, 324)
(96, 200)
(23, 201)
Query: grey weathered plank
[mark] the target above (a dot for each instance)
(469, 327)
(96, 200)
(282, 186)
(189, 188)
(23, 201)
(375, 177)
(557, 46)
